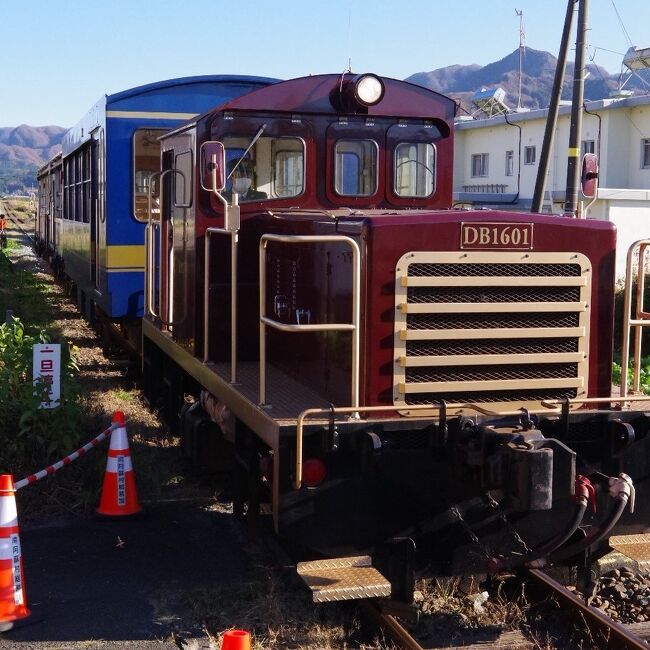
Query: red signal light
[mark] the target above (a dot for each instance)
(314, 472)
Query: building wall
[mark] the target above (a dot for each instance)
(624, 186)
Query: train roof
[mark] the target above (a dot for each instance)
(312, 94)
(192, 84)
(173, 100)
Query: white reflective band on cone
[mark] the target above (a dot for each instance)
(8, 511)
(119, 441)
(7, 550)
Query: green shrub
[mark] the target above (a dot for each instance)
(32, 437)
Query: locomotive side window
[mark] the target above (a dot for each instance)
(355, 167)
(414, 172)
(146, 161)
(183, 184)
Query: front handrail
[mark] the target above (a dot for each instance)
(548, 407)
(354, 326)
(641, 318)
(233, 298)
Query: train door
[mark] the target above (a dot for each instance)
(179, 230)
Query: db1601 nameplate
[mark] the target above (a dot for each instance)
(513, 236)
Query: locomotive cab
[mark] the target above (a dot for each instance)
(381, 365)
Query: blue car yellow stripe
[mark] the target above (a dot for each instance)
(124, 258)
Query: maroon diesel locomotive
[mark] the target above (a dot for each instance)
(386, 375)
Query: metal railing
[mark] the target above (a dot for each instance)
(640, 319)
(320, 327)
(488, 188)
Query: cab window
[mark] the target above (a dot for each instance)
(414, 169)
(273, 168)
(355, 167)
(146, 162)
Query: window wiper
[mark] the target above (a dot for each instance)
(250, 146)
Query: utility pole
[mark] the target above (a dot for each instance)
(573, 163)
(554, 106)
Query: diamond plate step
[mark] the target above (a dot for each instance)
(345, 578)
(636, 547)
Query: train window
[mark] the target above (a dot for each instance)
(355, 167)
(146, 162)
(288, 169)
(414, 172)
(272, 168)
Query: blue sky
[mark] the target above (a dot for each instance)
(59, 56)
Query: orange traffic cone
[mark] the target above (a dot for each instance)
(119, 493)
(13, 603)
(236, 640)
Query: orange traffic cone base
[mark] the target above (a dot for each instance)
(236, 640)
(34, 615)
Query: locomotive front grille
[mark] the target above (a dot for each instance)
(503, 330)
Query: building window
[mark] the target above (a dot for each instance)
(530, 155)
(480, 164)
(588, 146)
(510, 163)
(645, 153)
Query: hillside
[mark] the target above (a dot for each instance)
(538, 70)
(23, 149)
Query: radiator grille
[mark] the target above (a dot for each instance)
(498, 329)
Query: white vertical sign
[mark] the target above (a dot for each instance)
(47, 369)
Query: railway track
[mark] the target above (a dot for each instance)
(603, 631)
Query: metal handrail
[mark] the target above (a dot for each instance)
(233, 298)
(265, 321)
(149, 257)
(641, 318)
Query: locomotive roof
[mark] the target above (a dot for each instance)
(312, 95)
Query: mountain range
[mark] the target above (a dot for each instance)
(25, 148)
(538, 71)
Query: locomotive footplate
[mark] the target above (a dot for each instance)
(345, 578)
(636, 547)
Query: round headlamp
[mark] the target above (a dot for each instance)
(368, 89)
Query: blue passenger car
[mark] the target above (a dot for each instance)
(109, 158)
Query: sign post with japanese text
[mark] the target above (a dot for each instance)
(47, 369)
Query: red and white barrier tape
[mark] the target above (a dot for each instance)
(32, 478)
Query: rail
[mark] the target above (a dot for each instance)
(265, 321)
(615, 633)
(233, 298)
(641, 318)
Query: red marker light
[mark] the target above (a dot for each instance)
(314, 472)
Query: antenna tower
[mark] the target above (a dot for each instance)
(522, 49)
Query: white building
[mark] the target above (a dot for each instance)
(496, 162)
